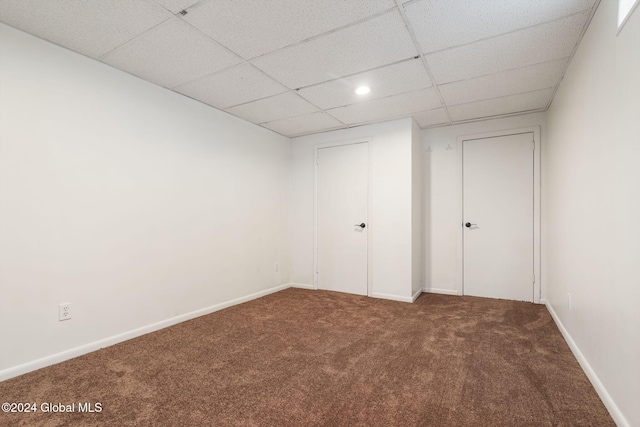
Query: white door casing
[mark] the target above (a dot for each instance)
(500, 197)
(341, 206)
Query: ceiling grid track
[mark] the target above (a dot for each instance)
(424, 60)
(294, 67)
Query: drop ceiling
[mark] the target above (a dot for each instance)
(292, 66)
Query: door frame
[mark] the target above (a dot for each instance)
(537, 279)
(316, 149)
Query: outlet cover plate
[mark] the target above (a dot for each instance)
(64, 311)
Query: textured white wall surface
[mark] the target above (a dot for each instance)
(133, 203)
(591, 203)
(417, 211)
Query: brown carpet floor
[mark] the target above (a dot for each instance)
(316, 358)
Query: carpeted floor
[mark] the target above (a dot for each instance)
(316, 358)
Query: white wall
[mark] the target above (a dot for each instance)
(390, 210)
(131, 202)
(417, 220)
(442, 163)
(591, 201)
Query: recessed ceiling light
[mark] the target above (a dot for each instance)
(363, 90)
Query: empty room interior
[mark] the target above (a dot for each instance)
(292, 212)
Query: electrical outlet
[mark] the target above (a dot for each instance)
(569, 305)
(277, 267)
(64, 311)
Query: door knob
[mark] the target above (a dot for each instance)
(363, 225)
(468, 224)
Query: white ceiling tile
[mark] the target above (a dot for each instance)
(254, 27)
(379, 41)
(536, 100)
(309, 123)
(391, 80)
(90, 27)
(170, 54)
(276, 107)
(176, 6)
(431, 117)
(439, 24)
(533, 77)
(386, 108)
(542, 43)
(492, 57)
(231, 87)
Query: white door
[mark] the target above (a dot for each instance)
(498, 217)
(342, 228)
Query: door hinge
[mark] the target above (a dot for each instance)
(317, 160)
(533, 145)
(534, 278)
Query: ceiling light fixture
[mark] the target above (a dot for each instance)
(363, 90)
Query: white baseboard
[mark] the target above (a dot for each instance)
(14, 371)
(606, 398)
(392, 297)
(301, 286)
(374, 295)
(440, 291)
